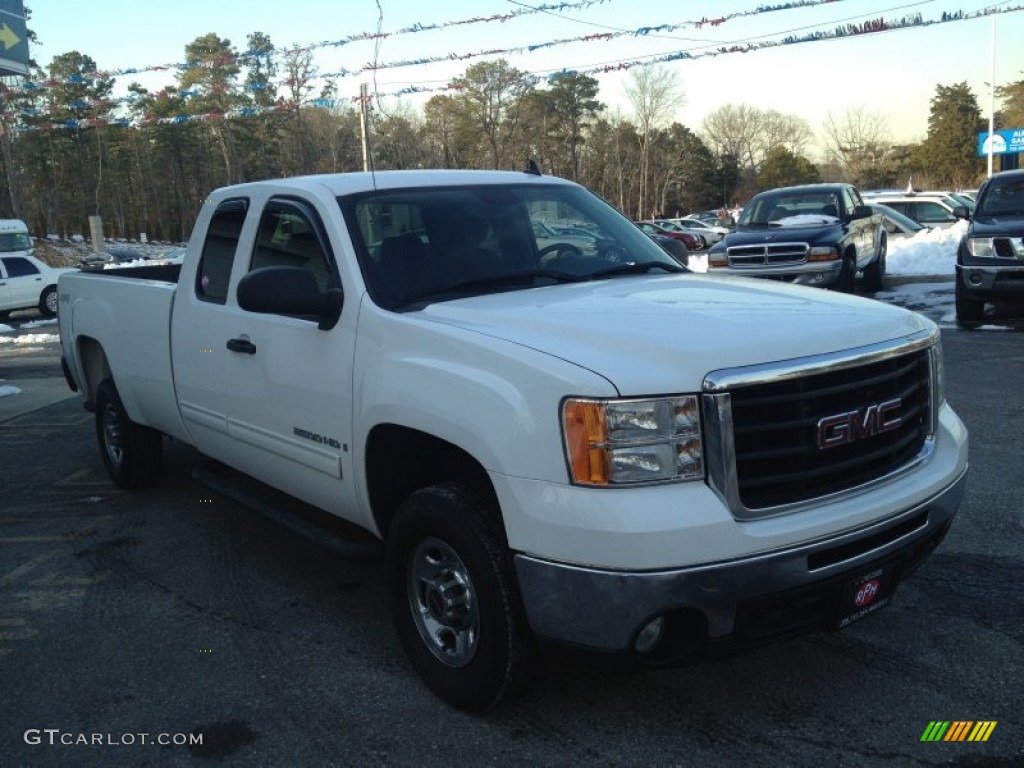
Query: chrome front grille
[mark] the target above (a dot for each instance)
(782, 439)
(771, 254)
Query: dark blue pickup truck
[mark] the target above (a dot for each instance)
(815, 234)
(990, 259)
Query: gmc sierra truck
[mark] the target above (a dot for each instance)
(593, 447)
(815, 234)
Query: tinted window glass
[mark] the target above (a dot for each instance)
(14, 241)
(18, 267)
(214, 271)
(439, 244)
(290, 235)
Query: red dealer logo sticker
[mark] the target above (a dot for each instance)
(866, 594)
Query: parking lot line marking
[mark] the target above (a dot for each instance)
(71, 581)
(97, 519)
(21, 570)
(48, 539)
(18, 622)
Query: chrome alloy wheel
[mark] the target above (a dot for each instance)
(443, 602)
(112, 440)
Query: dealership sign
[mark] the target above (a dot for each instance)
(1003, 142)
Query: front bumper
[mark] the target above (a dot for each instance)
(748, 601)
(817, 273)
(993, 283)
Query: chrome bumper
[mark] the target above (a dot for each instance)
(605, 610)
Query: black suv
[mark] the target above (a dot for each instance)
(990, 259)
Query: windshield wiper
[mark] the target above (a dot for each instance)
(636, 268)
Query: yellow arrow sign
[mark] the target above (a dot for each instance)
(8, 38)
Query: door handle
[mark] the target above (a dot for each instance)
(242, 345)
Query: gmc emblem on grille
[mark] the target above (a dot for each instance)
(849, 427)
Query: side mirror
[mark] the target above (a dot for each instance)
(961, 212)
(862, 212)
(290, 291)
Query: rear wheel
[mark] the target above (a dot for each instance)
(131, 452)
(48, 301)
(874, 273)
(454, 598)
(969, 312)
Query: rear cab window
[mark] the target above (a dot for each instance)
(214, 273)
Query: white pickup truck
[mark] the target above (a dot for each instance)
(582, 443)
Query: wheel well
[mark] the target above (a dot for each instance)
(400, 460)
(94, 365)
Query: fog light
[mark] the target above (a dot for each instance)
(974, 278)
(650, 636)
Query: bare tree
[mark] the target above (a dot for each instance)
(655, 96)
(860, 140)
(733, 131)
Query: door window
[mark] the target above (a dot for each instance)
(19, 267)
(291, 235)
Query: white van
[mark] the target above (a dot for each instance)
(25, 281)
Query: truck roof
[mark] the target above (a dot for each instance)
(348, 183)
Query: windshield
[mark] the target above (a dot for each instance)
(1002, 197)
(773, 207)
(418, 246)
(14, 241)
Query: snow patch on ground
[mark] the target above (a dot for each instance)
(30, 338)
(6, 390)
(6, 328)
(39, 323)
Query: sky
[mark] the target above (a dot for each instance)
(893, 73)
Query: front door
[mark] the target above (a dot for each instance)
(270, 394)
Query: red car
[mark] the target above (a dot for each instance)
(692, 242)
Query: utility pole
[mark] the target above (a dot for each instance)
(364, 101)
(992, 100)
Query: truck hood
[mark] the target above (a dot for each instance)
(825, 232)
(657, 334)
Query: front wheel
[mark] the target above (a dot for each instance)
(969, 312)
(48, 301)
(131, 452)
(847, 275)
(454, 598)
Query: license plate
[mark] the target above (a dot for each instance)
(864, 595)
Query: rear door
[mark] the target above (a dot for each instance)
(270, 394)
(24, 281)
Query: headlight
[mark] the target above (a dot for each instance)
(822, 253)
(622, 442)
(718, 258)
(981, 247)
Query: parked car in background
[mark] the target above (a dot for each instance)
(692, 242)
(813, 234)
(576, 237)
(709, 234)
(25, 281)
(990, 257)
(112, 255)
(896, 224)
(931, 210)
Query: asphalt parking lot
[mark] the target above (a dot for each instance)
(158, 616)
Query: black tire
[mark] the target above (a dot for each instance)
(702, 242)
(969, 312)
(131, 452)
(846, 281)
(874, 273)
(454, 598)
(48, 301)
